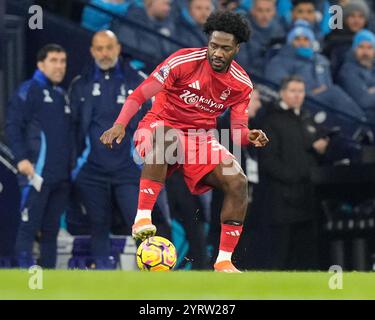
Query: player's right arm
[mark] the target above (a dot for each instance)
(146, 90)
(163, 76)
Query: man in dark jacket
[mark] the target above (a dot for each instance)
(357, 75)
(190, 23)
(101, 174)
(39, 132)
(284, 167)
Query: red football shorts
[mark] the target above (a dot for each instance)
(197, 153)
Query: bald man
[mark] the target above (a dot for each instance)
(105, 49)
(104, 178)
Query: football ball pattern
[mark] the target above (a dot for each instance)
(156, 254)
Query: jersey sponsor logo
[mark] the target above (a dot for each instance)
(195, 85)
(189, 98)
(206, 104)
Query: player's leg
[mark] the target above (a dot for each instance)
(233, 212)
(152, 182)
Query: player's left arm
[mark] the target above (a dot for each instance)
(241, 134)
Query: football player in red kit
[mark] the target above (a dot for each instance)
(192, 88)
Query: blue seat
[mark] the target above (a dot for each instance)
(88, 262)
(82, 259)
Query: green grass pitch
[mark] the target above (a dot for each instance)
(14, 284)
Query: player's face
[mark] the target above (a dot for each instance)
(54, 66)
(200, 10)
(222, 47)
(365, 53)
(263, 12)
(356, 21)
(294, 94)
(304, 11)
(105, 50)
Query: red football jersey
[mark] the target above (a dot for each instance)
(194, 95)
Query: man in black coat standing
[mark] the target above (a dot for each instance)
(287, 199)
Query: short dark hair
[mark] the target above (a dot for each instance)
(295, 3)
(292, 78)
(229, 22)
(51, 47)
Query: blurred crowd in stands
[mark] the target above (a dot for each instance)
(288, 37)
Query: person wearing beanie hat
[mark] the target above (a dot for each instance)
(301, 28)
(298, 57)
(356, 15)
(363, 36)
(360, 65)
(356, 6)
(338, 43)
(302, 38)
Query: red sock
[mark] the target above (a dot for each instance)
(148, 193)
(229, 237)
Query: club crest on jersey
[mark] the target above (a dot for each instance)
(225, 94)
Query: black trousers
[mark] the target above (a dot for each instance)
(41, 212)
(293, 246)
(188, 209)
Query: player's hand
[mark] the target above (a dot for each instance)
(26, 168)
(116, 132)
(258, 138)
(321, 145)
